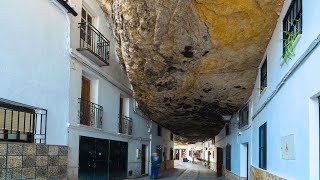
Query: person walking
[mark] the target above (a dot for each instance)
(155, 165)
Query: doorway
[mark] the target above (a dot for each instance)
(177, 153)
(143, 159)
(118, 160)
(93, 158)
(247, 161)
(183, 153)
(101, 159)
(85, 101)
(219, 161)
(244, 160)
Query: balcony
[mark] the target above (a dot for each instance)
(90, 114)
(125, 125)
(93, 44)
(22, 123)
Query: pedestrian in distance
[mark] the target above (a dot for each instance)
(155, 165)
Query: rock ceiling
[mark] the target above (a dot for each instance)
(191, 61)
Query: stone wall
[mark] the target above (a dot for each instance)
(257, 174)
(32, 161)
(230, 176)
(165, 165)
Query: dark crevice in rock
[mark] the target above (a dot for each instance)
(187, 52)
(206, 90)
(205, 53)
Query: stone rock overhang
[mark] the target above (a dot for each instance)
(191, 61)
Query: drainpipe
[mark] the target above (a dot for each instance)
(150, 148)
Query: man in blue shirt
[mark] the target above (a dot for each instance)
(155, 165)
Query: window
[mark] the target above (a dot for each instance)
(159, 130)
(263, 146)
(171, 153)
(244, 116)
(85, 31)
(292, 22)
(228, 157)
(22, 123)
(159, 151)
(227, 130)
(93, 44)
(171, 136)
(135, 105)
(263, 76)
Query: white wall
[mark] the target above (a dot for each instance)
(163, 141)
(110, 83)
(292, 110)
(237, 141)
(208, 146)
(34, 66)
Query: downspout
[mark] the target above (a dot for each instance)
(150, 148)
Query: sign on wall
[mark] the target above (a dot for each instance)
(287, 147)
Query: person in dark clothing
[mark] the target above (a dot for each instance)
(155, 165)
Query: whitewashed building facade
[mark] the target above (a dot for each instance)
(276, 134)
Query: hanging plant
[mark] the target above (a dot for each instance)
(289, 43)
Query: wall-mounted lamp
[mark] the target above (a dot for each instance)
(226, 117)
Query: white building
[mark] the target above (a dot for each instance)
(277, 132)
(162, 142)
(58, 61)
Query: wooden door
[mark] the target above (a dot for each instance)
(177, 154)
(85, 102)
(143, 159)
(219, 161)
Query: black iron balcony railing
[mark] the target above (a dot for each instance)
(90, 114)
(21, 123)
(93, 41)
(125, 125)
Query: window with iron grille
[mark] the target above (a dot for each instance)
(244, 116)
(292, 22)
(159, 131)
(22, 123)
(227, 130)
(263, 146)
(228, 157)
(263, 75)
(171, 136)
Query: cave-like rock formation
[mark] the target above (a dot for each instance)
(191, 61)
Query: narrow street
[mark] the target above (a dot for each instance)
(104, 89)
(187, 170)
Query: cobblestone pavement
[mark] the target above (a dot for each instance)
(187, 171)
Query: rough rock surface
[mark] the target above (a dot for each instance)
(191, 61)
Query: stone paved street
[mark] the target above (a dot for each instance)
(187, 171)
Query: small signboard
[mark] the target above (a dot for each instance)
(287, 147)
